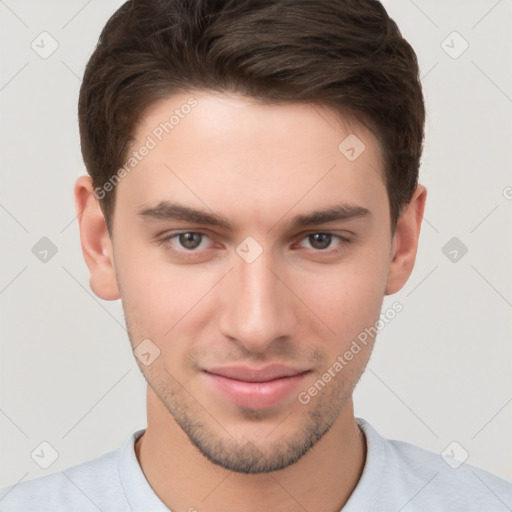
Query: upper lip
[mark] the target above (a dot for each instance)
(251, 374)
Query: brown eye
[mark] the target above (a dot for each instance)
(328, 243)
(320, 240)
(190, 240)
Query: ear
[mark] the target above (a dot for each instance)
(405, 241)
(96, 244)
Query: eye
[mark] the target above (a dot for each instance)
(188, 240)
(322, 241)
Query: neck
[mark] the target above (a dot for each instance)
(322, 480)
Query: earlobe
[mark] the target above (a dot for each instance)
(405, 241)
(95, 241)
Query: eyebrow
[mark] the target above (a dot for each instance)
(165, 210)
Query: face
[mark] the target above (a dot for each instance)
(250, 251)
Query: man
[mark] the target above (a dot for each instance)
(252, 197)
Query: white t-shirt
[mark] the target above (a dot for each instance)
(397, 476)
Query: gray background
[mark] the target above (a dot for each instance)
(441, 370)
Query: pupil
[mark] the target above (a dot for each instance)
(190, 240)
(320, 240)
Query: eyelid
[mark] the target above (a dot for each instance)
(326, 231)
(170, 235)
(342, 239)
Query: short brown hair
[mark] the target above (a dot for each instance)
(346, 54)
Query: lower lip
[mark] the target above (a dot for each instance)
(256, 395)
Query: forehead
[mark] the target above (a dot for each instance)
(248, 123)
(214, 110)
(206, 147)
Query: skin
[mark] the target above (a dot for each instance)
(257, 166)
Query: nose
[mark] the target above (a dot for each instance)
(258, 309)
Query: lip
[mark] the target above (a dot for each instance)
(256, 388)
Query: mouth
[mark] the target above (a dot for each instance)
(255, 388)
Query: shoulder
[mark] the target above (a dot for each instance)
(424, 480)
(448, 482)
(93, 485)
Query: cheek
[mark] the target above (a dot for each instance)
(346, 294)
(163, 301)
(149, 280)
(146, 289)
(348, 299)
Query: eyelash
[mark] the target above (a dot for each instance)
(342, 241)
